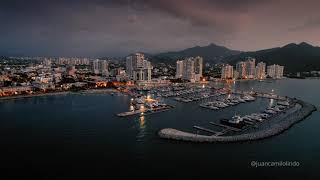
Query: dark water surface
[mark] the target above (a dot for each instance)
(79, 136)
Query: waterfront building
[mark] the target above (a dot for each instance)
(275, 71)
(15, 90)
(261, 70)
(250, 68)
(190, 69)
(235, 74)
(198, 65)
(241, 69)
(227, 72)
(138, 67)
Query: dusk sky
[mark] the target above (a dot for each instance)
(116, 28)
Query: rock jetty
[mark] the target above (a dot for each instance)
(291, 119)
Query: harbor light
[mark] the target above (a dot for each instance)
(142, 108)
(131, 108)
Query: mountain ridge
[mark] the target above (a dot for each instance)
(295, 57)
(210, 53)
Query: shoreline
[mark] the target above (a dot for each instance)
(34, 95)
(288, 121)
(87, 91)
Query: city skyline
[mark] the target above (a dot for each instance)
(96, 89)
(117, 28)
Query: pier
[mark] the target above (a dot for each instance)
(205, 129)
(225, 126)
(147, 111)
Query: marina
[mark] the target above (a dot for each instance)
(242, 125)
(215, 99)
(304, 110)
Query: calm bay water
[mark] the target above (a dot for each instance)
(57, 137)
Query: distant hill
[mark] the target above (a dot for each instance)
(211, 53)
(295, 57)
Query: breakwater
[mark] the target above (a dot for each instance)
(304, 111)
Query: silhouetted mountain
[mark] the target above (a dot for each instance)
(295, 57)
(210, 53)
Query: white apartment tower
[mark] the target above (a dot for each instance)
(100, 67)
(250, 68)
(242, 70)
(190, 69)
(179, 69)
(275, 71)
(261, 70)
(138, 68)
(227, 72)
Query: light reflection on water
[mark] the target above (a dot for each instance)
(271, 102)
(142, 128)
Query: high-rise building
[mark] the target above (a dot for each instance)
(198, 65)
(138, 68)
(241, 69)
(190, 69)
(100, 67)
(246, 69)
(275, 71)
(227, 72)
(235, 74)
(179, 69)
(250, 68)
(261, 70)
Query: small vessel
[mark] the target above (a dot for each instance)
(248, 98)
(274, 109)
(236, 121)
(270, 111)
(264, 115)
(283, 103)
(257, 118)
(213, 107)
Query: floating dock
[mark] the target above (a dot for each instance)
(146, 112)
(225, 126)
(205, 129)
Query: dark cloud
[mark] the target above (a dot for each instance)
(309, 24)
(102, 27)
